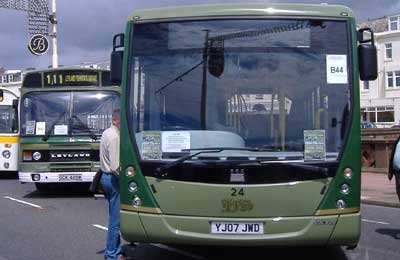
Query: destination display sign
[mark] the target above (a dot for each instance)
(67, 78)
(71, 78)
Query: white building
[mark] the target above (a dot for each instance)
(10, 77)
(380, 99)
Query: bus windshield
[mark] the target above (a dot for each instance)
(7, 119)
(67, 112)
(282, 85)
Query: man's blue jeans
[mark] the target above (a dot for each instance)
(110, 185)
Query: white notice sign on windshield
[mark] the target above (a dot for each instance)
(60, 129)
(336, 69)
(40, 128)
(175, 141)
(30, 127)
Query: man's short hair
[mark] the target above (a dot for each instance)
(116, 114)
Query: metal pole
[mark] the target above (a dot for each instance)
(204, 83)
(54, 34)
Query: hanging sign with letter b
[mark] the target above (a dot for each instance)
(38, 44)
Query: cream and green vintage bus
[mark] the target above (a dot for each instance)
(241, 124)
(63, 114)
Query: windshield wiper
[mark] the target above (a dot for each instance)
(83, 127)
(162, 171)
(47, 134)
(250, 149)
(306, 167)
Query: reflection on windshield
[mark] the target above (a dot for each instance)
(67, 113)
(282, 84)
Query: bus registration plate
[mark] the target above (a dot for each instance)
(237, 228)
(70, 177)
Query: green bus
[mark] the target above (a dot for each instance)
(241, 124)
(63, 114)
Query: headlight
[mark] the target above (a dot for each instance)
(348, 173)
(36, 156)
(340, 204)
(130, 171)
(345, 188)
(136, 201)
(6, 154)
(132, 186)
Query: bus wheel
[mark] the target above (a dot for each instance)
(42, 187)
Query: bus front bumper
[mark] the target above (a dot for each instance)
(56, 177)
(284, 231)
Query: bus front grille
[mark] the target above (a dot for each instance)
(86, 167)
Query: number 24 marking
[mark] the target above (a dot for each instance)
(237, 191)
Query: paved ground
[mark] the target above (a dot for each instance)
(376, 189)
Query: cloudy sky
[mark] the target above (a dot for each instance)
(85, 27)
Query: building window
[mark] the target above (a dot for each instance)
(384, 114)
(365, 85)
(394, 23)
(397, 74)
(393, 79)
(388, 51)
(389, 79)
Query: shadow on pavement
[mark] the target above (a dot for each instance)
(167, 252)
(8, 176)
(395, 233)
(62, 190)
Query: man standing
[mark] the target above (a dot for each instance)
(109, 164)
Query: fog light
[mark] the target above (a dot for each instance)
(36, 156)
(130, 171)
(137, 201)
(348, 173)
(340, 204)
(6, 154)
(36, 177)
(132, 186)
(345, 188)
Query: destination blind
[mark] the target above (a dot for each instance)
(71, 78)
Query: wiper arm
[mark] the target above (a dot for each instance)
(250, 149)
(85, 127)
(47, 134)
(162, 171)
(310, 168)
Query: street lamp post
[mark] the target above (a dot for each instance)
(38, 19)
(53, 21)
